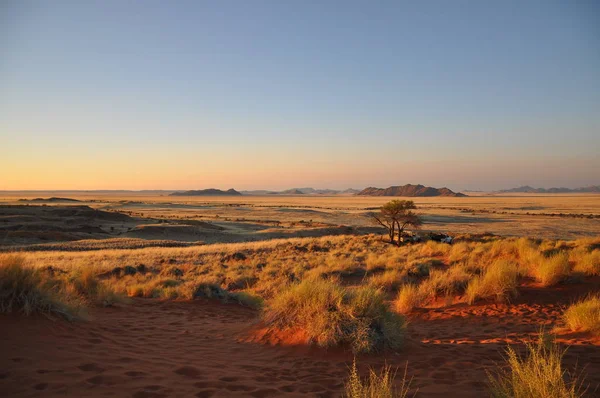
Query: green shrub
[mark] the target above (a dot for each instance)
(330, 314)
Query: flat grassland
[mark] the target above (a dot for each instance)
(222, 296)
(250, 218)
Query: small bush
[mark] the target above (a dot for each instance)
(408, 298)
(376, 385)
(129, 270)
(210, 290)
(498, 281)
(330, 314)
(172, 271)
(24, 289)
(584, 315)
(247, 300)
(552, 270)
(170, 283)
(538, 375)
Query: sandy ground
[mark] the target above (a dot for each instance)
(157, 349)
(205, 348)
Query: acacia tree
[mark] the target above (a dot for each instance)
(395, 216)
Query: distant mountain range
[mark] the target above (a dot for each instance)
(303, 191)
(409, 190)
(528, 189)
(208, 192)
(52, 199)
(293, 191)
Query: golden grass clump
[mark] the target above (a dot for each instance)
(376, 262)
(498, 281)
(505, 248)
(267, 268)
(376, 385)
(435, 249)
(458, 252)
(584, 316)
(446, 282)
(552, 270)
(159, 288)
(409, 296)
(25, 289)
(539, 374)
(586, 262)
(85, 284)
(247, 299)
(388, 280)
(330, 314)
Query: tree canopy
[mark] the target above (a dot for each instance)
(395, 216)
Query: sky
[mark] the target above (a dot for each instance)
(121, 94)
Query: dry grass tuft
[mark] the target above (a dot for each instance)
(265, 269)
(538, 375)
(85, 284)
(584, 316)
(447, 282)
(435, 249)
(26, 290)
(408, 298)
(331, 314)
(586, 262)
(376, 385)
(388, 280)
(499, 281)
(552, 270)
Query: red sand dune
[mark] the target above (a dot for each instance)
(203, 348)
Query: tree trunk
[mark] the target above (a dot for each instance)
(400, 230)
(392, 232)
(399, 235)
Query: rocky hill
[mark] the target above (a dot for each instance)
(409, 190)
(293, 191)
(208, 192)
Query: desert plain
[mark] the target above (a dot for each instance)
(203, 296)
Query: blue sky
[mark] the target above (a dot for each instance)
(275, 94)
